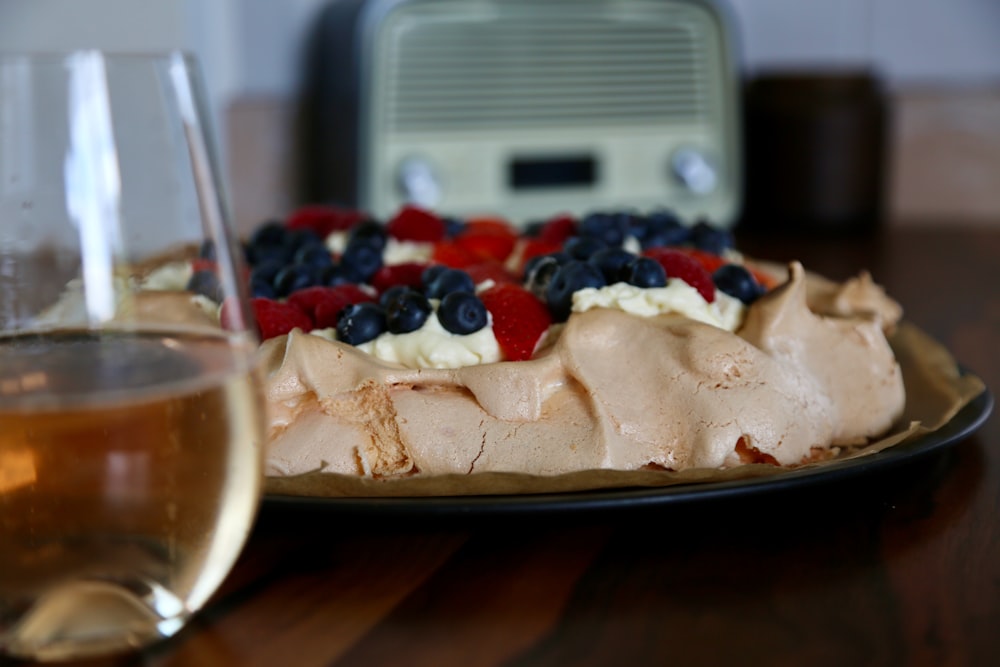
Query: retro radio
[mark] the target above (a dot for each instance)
(524, 107)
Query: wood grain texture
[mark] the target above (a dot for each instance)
(899, 568)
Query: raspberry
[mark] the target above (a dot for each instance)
(710, 261)
(519, 319)
(558, 229)
(677, 264)
(415, 224)
(275, 318)
(407, 273)
(319, 300)
(323, 219)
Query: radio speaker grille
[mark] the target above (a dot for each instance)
(453, 65)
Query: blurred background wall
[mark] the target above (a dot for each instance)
(940, 60)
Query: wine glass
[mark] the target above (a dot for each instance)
(130, 412)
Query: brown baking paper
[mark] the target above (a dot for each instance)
(936, 389)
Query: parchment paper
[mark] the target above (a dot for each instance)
(936, 390)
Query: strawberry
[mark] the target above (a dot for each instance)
(407, 273)
(486, 246)
(275, 318)
(323, 219)
(489, 270)
(492, 226)
(519, 319)
(412, 223)
(558, 229)
(202, 264)
(451, 254)
(677, 264)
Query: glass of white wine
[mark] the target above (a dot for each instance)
(130, 412)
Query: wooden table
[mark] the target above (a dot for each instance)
(896, 568)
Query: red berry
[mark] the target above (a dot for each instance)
(709, 260)
(519, 319)
(486, 246)
(450, 254)
(407, 273)
(677, 264)
(275, 318)
(324, 219)
(412, 223)
(558, 229)
(489, 270)
(309, 299)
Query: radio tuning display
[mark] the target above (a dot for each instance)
(556, 172)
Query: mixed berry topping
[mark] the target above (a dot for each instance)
(326, 268)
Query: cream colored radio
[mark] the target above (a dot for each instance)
(525, 107)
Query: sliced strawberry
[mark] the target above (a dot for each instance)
(558, 229)
(484, 225)
(490, 270)
(275, 318)
(519, 319)
(412, 223)
(309, 299)
(407, 273)
(451, 254)
(324, 219)
(677, 264)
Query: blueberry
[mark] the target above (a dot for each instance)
(293, 277)
(645, 272)
(370, 231)
(333, 275)
(538, 271)
(296, 238)
(313, 254)
(407, 311)
(260, 288)
(462, 313)
(266, 271)
(582, 247)
(271, 233)
(361, 259)
(711, 239)
(610, 228)
(453, 226)
(663, 228)
(569, 278)
(449, 281)
(360, 322)
(205, 283)
(430, 273)
(392, 293)
(258, 253)
(611, 262)
(737, 282)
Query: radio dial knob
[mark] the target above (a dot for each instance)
(694, 170)
(418, 182)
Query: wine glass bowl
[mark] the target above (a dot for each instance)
(130, 414)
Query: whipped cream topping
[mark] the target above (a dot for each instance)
(677, 297)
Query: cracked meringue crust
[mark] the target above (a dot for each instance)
(809, 370)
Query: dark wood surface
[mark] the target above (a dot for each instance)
(901, 567)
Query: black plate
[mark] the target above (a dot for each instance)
(963, 424)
